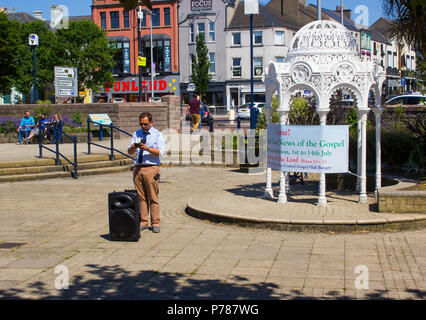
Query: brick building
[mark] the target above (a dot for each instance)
(122, 28)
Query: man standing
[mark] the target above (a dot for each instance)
(149, 145)
(27, 124)
(194, 109)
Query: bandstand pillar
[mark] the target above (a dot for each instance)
(322, 200)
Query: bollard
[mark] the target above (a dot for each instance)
(238, 123)
(88, 135)
(40, 142)
(75, 158)
(111, 157)
(211, 125)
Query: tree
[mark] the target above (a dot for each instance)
(45, 58)
(9, 43)
(201, 66)
(408, 20)
(85, 46)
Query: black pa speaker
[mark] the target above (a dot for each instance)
(124, 216)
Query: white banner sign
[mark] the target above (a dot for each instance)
(322, 149)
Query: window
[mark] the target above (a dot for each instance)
(103, 20)
(236, 39)
(115, 20)
(201, 29)
(212, 62)
(211, 32)
(162, 55)
(143, 24)
(236, 67)
(279, 59)
(395, 60)
(279, 37)
(412, 63)
(166, 16)
(258, 66)
(257, 38)
(155, 17)
(122, 58)
(191, 33)
(193, 59)
(126, 19)
(390, 59)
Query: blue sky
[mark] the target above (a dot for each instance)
(82, 7)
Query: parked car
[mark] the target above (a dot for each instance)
(407, 99)
(118, 100)
(244, 110)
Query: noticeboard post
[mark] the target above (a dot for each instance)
(100, 119)
(66, 82)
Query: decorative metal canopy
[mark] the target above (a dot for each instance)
(324, 57)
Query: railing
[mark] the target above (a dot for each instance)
(57, 152)
(211, 124)
(111, 148)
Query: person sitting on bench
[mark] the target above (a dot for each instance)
(27, 124)
(41, 123)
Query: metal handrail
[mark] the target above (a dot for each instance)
(57, 152)
(111, 148)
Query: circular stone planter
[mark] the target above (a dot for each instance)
(347, 182)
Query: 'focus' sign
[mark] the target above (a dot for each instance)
(198, 5)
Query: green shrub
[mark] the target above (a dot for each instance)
(77, 118)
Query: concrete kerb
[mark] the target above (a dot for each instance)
(335, 226)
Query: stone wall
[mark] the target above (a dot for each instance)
(402, 201)
(125, 115)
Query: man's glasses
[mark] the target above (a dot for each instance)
(144, 124)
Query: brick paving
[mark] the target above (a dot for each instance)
(64, 222)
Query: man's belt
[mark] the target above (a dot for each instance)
(147, 165)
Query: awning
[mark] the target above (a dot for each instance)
(118, 38)
(255, 90)
(158, 36)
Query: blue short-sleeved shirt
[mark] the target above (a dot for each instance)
(27, 121)
(154, 139)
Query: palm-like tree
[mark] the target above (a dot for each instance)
(408, 21)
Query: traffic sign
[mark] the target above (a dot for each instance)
(66, 84)
(403, 80)
(142, 61)
(33, 39)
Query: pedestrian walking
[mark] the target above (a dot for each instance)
(194, 109)
(149, 145)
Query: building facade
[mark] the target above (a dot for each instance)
(399, 60)
(122, 28)
(210, 18)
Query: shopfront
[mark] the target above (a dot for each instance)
(128, 89)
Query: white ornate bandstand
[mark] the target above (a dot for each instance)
(323, 57)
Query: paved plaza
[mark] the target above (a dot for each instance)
(62, 225)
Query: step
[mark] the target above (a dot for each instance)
(64, 167)
(63, 174)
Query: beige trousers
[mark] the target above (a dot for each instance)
(148, 190)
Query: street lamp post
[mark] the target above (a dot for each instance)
(152, 63)
(33, 42)
(251, 7)
(140, 17)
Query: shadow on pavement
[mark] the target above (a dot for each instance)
(114, 282)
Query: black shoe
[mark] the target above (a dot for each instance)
(156, 229)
